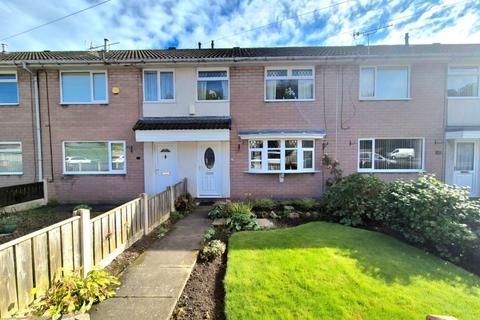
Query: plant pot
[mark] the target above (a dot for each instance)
(7, 228)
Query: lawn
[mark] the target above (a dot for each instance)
(328, 271)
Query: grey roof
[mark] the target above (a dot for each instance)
(183, 123)
(232, 54)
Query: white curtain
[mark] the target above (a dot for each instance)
(225, 89)
(166, 85)
(151, 87)
(271, 89)
(202, 90)
(305, 89)
(465, 156)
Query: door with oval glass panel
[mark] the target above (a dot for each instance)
(464, 173)
(209, 182)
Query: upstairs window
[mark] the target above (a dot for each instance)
(278, 155)
(384, 83)
(212, 85)
(158, 86)
(11, 158)
(94, 157)
(390, 155)
(284, 84)
(8, 88)
(463, 81)
(84, 87)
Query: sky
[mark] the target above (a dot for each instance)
(158, 24)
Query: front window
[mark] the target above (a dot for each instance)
(158, 86)
(390, 155)
(94, 157)
(279, 155)
(11, 158)
(463, 81)
(84, 87)
(212, 85)
(8, 88)
(384, 83)
(289, 84)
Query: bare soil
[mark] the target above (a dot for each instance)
(36, 219)
(204, 295)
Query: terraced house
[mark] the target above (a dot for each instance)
(240, 122)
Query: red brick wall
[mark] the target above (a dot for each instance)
(345, 118)
(16, 125)
(89, 123)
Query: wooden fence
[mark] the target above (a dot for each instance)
(37, 259)
(21, 193)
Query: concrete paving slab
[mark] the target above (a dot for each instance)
(133, 308)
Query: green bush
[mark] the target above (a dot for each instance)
(184, 203)
(219, 210)
(74, 293)
(209, 234)
(241, 217)
(175, 215)
(162, 232)
(213, 249)
(352, 200)
(428, 212)
(306, 204)
(264, 204)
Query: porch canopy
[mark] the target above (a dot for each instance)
(465, 133)
(194, 128)
(282, 134)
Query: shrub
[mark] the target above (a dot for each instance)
(213, 249)
(352, 200)
(264, 204)
(306, 204)
(184, 203)
(175, 215)
(333, 168)
(74, 293)
(82, 206)
(162, 232)
(428, 212)
(241, 217)
(209, 234)
(219, 210)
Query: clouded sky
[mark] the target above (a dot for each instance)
(147, 24)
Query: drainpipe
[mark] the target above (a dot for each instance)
(38, 133)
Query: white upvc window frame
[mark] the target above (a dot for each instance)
(19, 173)
(158, 71)
(198, 70)
(373, 170)
(110, 170)
(464, 74)
(92, 94)
(376, 67)
(288, 77)
(265, 149)
(8, 81)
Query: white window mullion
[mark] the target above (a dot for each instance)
(300, 155)
(373, 154)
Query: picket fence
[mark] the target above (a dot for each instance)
(79, 243)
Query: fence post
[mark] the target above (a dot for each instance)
(144, 200)
(85, 239)
(45, 191)
(172, 198)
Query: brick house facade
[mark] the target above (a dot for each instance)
(336, 114)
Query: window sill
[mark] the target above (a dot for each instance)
(464, 98)
(11, 173)
(9, 104)
(280, 172)
(66, 104)
(160, 101)
(392, 171)
(211, 101)
(289, 100)
(94, 173)
(385, 99)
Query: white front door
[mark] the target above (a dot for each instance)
(165, 161)
(209, 182)
(464, 166)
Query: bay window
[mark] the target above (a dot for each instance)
(94, 157)
(11, 158)
(212, 85)
(84, 87)
(158, 86)
(8, 88)
(463, 82)
(384, 83)
(289, 84)
(281, 155)
(390, 155)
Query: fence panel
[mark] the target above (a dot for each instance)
(21, 193)
(37, 259)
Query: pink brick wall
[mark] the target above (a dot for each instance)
(94, 123)
(16, 125)
(345, 117)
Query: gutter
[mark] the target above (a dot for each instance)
(38, 132)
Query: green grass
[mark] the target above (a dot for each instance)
(328, 271)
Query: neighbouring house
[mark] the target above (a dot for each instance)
(237, 122)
